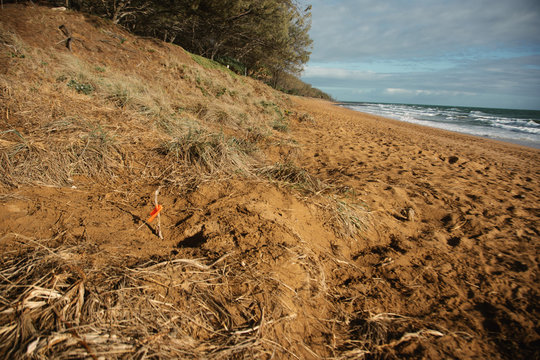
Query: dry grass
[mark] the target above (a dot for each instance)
(159, 119)
(349, 218)
(55, 160)
(220, 133)
(207, 152)
(73, 117)
(292, 175)
(121, 89)
(55, 304)
(377, 336)
(52, 304)
(141, 107)
(352, 217)
(14, 45)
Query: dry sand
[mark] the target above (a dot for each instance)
(451, 246)
(442, 261)
(455, 237)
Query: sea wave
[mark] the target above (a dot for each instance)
(521, 126)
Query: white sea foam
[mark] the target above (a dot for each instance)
(499, 124)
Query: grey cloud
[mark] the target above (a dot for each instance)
(352, 30)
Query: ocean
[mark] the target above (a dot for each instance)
(516, 126)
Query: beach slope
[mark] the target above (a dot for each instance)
(290, 228)
(455, 238)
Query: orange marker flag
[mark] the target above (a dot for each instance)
(154, 213)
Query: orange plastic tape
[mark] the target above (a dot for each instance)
(154, 213)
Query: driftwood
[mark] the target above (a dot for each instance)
(67, 33)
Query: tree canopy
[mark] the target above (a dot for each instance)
(266, 38)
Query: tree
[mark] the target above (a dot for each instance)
(119, 11)
(268, 37)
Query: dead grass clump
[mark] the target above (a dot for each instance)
(125, 91)
(292, 175)
(15, 46)
(353, 218)
(244, 146)
(374, 329)
(216, 114)
(280, 125)
(54, 160)
(98, 153)
(5, 91)
(207, 152)
(175, 125)
(257, 134)
(306, 118)
(349, 219)
(27, 161)
(378, 335)
(52, 305)
(221, 114)
(279, 121)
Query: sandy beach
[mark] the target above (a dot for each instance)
(451, 236)
(455, 235)
(299, 230)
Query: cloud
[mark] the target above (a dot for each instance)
(518, 75)
(360, 30)
(512, 82)
(340, 73)
(416, 92)
(428, 51)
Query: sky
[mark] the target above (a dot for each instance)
(482, 53)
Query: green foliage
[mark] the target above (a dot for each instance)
(257, 37)
(80, 87)
(291, 84)
(232, 64)
(206, 63)
(266, 39)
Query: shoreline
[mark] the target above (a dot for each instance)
(525, 143)
(507, 142)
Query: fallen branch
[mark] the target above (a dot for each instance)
(67, 33)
